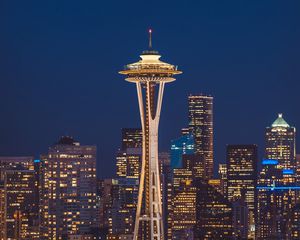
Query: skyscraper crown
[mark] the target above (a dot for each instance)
(280, 122)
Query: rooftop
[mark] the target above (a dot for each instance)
(280, 122)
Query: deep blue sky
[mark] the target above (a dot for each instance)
(59, 62)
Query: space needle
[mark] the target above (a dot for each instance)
(150, 76)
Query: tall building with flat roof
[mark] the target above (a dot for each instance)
(68, 205)
(281, 143)
(223, 177)
(11, 162)
(132, 138)
(213, 213)
(129, 157)
(241, 178)
(121, 212)
(180, 146)
(201, 126)
(21, 204)
(276, 199)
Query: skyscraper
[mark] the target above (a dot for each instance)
(21, 204)
(6, 185)
(241, 178)
(201, 126)
(132, 138)
(147, 74)
(121, 212)
(180, 146)
(223, 177)
(68, 203)
(14, 162)
(214, 213)
(280, 143)
(129, 157)
(276, 199)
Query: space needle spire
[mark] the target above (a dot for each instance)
(149, 75)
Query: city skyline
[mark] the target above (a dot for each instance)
(59, 67)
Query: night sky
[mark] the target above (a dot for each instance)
(59, 63)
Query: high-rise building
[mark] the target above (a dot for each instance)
(14, 162)
(213, 213)
(129, 157)
(197, 209)
(166, 180)
(201, 126)
(183, 213)
(276, 199)
(132, 138)
(298, 169)
(11, 163)
(295, 222)
(280, 143)
(147, 74)
(68, 203)
(240, 219)
(194, 162)
(21, 204)
(129, 163)
(180, 146)
(223, 177)
(241, 178)
(2, 210)
(122, 209)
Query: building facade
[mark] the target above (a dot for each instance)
(21, 204)
(69, 185)
(201, 126)
(276, 200)
(281, 143)
(241, 179)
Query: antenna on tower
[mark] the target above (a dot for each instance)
(150, 38)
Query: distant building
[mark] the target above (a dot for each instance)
(14, 162)
(197, 209)
(281, 143)
(129, 157)
(241, 178)
(179, 147)
(2, 210)
(68, 203)
(276, 202)
(298, 169)
(182, 208)
(132, 138)
(21, 204)
(122, 208)
(240, 219)
(21, 197)
(195, 163)
(223, 178)
(214, 213)
(216, 183)
(201, 127)
(295, 222)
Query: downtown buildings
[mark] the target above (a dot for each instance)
(68, 191)
(241, 182)
(278, 188)
(19, 202)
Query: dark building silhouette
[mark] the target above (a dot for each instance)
(213, 213)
